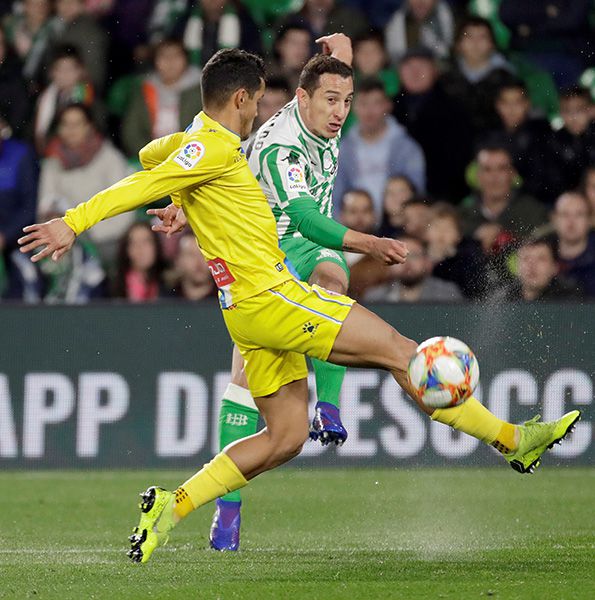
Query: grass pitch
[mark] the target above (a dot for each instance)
(356, 534)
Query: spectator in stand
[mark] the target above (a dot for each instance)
(140, 265)
(323, 17)
(397, 192)
(193, 278)
(68, 85)
(166, 101)
(18, 191)
(377, 148)
(573, 146)
(413, 281)
(574, 240)
(455, 258)
(588, 190)
(370, 59)
(437, 122)
(477, 70)
(291, 51)
(357, 212)
(205, 27)
(529, 139)
(426, 23)
(72, 26)
(497, 215)
(416, 217)
(29, 32)
(537, 278)
(555, 35)
(14, 101)
(80, 163)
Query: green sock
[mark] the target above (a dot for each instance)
(238, 419)
(329, 379)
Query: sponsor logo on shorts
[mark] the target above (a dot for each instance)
(279, 267)
(310, 328)
(236, 419)
(326, 253)
(190, 154)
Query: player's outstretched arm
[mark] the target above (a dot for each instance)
(338, 45)
(55, 235)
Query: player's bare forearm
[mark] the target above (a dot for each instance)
(338, 45)
(385, 250)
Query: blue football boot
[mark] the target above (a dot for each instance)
(225, 529)
(326, 425)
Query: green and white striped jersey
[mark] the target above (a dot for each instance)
(289, 161)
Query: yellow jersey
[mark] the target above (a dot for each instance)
(205, 172)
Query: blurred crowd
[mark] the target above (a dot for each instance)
(471, 138)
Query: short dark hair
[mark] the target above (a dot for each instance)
(371, 84)
(278, 82)
(228, 71)
(512, 84)
(575, 91)
(535, 241)
(495, 145)
(361, 192)
(170, 42)
(372, 35)
(65, 51)
(474, 21)
(319, 65)
(444, 210)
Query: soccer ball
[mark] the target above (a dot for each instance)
(444, 372)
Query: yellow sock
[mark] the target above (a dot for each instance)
(215, 479)
(473, 418)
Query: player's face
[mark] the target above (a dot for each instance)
(326, 110)
(537, 267)
(249, 110)
(571, 218)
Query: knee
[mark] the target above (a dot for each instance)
(289, 446)
(332, 284)
(404, 349)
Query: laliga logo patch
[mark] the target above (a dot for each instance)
(190, 155)
(295, 178)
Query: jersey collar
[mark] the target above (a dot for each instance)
(212, 124)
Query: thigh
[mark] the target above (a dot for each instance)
(366, 340)
(330, 276)
(238, 374)
(306, 256)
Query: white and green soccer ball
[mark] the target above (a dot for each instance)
(444, 372)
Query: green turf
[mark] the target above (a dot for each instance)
(310, 534)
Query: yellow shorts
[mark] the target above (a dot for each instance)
(276, 328)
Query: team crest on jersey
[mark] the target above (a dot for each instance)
(190, 154)
(295, 178)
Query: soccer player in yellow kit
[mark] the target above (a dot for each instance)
(273, 318)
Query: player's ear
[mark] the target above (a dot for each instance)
(302, 96)
(240, 98)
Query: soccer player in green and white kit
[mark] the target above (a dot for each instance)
(294, 157)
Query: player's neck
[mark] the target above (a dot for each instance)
(227, 116)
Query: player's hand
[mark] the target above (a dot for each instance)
(55, 235)
(389, 251)
(172, 218)
(338, 45)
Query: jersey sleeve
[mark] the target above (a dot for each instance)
(284, 171)
(156, 151)
(195, 163)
